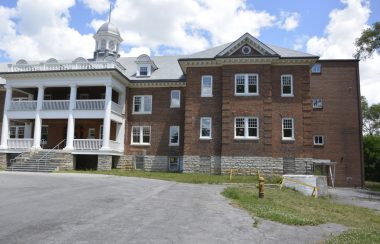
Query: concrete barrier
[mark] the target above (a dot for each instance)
(306, 183)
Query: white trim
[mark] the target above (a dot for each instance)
(203, 94)
(170, 135)
(200, 128)
(141, 128)
(142, 104)
(246, 128)
(316, 68)
(246, 85)
(288, 138)
(291, 86)
(171, 99)
(148, 70)
(319, 144)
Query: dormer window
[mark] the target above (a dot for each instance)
(143, 71)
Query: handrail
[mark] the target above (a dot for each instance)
(54, 148)
(13, 160)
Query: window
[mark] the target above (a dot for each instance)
(316, 69)
(19, 99)
(287, 129)
(143, 71)
(174, 136)
(141, 135)
(246, 128)
(173, 164)
(111, 46)
(206, 90)
(101, 132)
(103, 44)
(84, 96)
(246, 84)
(44, 134)
(319, 140)
(17, 131)
(205, 128)
(286, 85)
(317, 103)
(91, 133)
(48, 97)
(175, 99)
(142, 104)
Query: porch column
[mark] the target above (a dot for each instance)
(107, 117)
(122, 101)
(120, 133)
(71, 120)
(5, 127)
(38, 121)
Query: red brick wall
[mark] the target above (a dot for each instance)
(339, 119)
(160, 120)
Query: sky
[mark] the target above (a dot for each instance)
(63, 29)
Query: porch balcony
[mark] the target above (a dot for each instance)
(20, 143)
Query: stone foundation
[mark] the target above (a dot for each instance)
(156, 163)
(250, 165)
(202, 164)
(3, 161)
(104, 162)
(124, 162)
(66, 161)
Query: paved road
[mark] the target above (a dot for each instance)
(356, 196)
(76, 208)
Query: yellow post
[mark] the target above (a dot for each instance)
(230, 174)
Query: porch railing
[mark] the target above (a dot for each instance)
(116, 108)
(55, 105)
(23, 105)
(20, 143)
(87, 144)
(93, 104)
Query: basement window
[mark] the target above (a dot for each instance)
(174, 164)
(319, 140)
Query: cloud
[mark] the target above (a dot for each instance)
(136, 51)
(28, 34)
(99, 6)
(288, 21)
(187, 26)
(344, 27)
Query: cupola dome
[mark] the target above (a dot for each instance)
(108, 41)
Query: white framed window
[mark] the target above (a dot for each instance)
(319, 140)
(287, 85)
(44, 134)
(246, 84)
(173, 163)
(317, 103)
(91, 133)
(175, 99)
(206, 89)
(174, 136)
(142, 104)
(287, 129)
(19, 98)
(205, 128)
(143, 70)
(140, 135)
(246, 128)
(17, 131)
(316, 69)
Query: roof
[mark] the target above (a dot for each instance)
(168, 68)
(108, 27)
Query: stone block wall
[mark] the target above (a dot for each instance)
(65, 161)
(124, 162)
(249, 165)
(104, 162)
(304, 166)
(156, 163)
(3, 161)
(202, 164)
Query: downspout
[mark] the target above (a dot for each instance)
(360, 124)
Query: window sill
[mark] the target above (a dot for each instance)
(205, 138)
(319, 145)
(246, 138)
(247, 94)
(285, 95)
(206, 95)
(139, 113)
(140, 145)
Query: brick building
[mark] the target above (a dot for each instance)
(244, 105)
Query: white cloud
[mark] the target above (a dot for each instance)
(136, 51)
(188, 25)
(344, 27)
(288, 21)
(40, 29)
(99, 6)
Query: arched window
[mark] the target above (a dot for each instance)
(103, 44)
(111, 46)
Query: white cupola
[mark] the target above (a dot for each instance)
(107, 40)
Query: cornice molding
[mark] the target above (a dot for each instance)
(152, 84)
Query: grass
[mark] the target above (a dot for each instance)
(178, 177)
(290, 207)
(372, 185)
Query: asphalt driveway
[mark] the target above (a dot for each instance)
(81, 208)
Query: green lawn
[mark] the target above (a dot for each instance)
(179, 177)
(292, 208)
(373, 186)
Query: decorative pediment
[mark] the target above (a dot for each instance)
(247, 45)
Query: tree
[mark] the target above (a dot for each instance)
(368, 42)
(371, 157)
(371, 117)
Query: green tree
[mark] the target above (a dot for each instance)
(371, 117)
(368, 42)
(371, 157)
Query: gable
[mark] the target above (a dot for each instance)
(247, 45)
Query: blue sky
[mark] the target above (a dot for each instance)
(63, 29)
